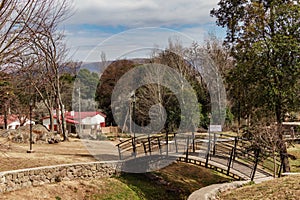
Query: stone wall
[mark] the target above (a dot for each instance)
(17, 179)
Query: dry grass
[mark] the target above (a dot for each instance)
(295, 162)
(108, 188)
(14, 156)
(281, 188)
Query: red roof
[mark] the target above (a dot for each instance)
(73, 119)
(10, 119)
(82, 115)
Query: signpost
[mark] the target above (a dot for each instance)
(214, 129)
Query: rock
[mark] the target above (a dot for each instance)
(54, 139)
(19, 138)
(22, 135)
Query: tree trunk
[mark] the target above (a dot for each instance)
(285, 158)
(5, 117)
(274, 161)
(283, 149)
(63, 124)
(58, 116)
(60, 105)
(51, 120)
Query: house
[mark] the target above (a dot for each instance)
(13, 122)
(87, 120)
(70, 123)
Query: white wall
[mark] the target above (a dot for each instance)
(97, 119)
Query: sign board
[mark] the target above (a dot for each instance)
(215, 128)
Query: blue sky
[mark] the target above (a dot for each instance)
(119, 27)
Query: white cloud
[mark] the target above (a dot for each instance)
(95, 21)
(137, 13)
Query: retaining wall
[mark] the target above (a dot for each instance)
(17, 179)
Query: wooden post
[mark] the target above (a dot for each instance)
(193, 135)
(208, 149)
(159, 145)
(149, 145)
(214, 144)
(119, 150)
(187, 149)
(133, 146)
(145, 149)
(280, 168)
(235, 144)
(167, 143)
(206, 162)
(255, 164)
(175, 141)
(230, 160)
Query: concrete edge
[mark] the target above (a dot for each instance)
(211, 191)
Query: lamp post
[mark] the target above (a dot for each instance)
(133, 98)
(79, 110)
(30, 127)
(5, 110)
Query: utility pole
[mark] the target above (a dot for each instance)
(79, 109)
(30, 127)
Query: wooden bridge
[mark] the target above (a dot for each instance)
(223, 153)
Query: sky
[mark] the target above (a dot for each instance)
(133, 28)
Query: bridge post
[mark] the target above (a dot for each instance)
(187, 149)
(230, 160)
(159, 145)
(149, 145)
(206, 161)
(119, 150)
(133, 146)
(235, 145)
(193, 137)
(208, 149)
(175, 141)
(167, 143)
(255, 164)
(214, 144)
(145, 149)
(281, 166)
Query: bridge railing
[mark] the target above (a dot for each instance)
(221, 148)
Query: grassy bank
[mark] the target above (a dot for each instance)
(176, 181)
(281, 188)
(295, 157)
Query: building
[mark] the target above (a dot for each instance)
(87, 120)
(13, 121)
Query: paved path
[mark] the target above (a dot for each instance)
(102, 150)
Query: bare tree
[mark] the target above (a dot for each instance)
(32, 46)
(267, 138)
(14, 15)
(50, 51)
